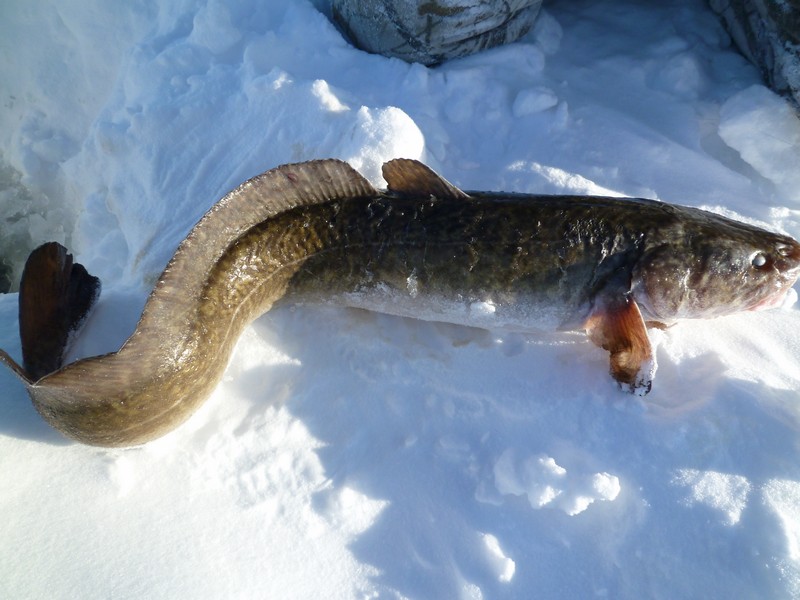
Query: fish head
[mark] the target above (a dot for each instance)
(712, 266)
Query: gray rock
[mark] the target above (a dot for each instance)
(768, 34)
(432, 31)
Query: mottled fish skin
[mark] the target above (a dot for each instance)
(705, 265)
(318, 231)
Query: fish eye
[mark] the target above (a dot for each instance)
(759, 260)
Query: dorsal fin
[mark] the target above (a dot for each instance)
(257, 199)
(55, 297)
(412, 178)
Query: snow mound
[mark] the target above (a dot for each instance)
(545, 483)
(772, 156)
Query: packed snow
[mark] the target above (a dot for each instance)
(349, 453)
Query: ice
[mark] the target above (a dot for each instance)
(532, 101)
(547, 32)
(773, 156)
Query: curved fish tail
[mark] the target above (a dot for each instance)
(55, 297)
(15, 368)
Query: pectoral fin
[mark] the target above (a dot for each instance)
(617, 326)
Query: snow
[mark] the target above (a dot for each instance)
(771, 155)
(727, 493)
(544, 481)
(355, 454)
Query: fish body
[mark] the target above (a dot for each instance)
(536, 262)
(318, 232)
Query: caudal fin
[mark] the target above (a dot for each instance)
(55, 297)
(15, 368)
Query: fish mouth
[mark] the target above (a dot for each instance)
(784, 297)
(787, 266)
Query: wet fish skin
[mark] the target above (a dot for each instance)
(318, 231)
(516, 251)
(714, 267)
(547, 262)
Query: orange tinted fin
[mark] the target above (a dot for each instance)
(412, 178)
(617, 326)
(55, 296)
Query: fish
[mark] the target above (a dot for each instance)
(318, 231)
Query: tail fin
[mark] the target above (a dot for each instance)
(55, 297)
(18, 371)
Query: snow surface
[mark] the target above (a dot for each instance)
(353, 454)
